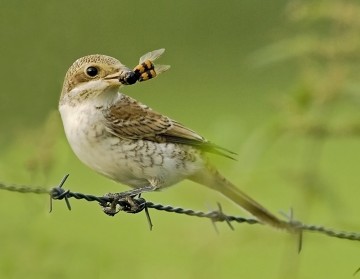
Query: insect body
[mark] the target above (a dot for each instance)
(129, 78)
(146, 69)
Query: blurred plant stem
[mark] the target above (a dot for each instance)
(43, 158)
(324, 103)
(319, 107)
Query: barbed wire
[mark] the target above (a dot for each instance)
(132, 202)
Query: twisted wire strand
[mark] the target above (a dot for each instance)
(331, 232)
(214, 215)
(122, 200)
(23, 189)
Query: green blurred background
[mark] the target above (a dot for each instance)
(275, 81)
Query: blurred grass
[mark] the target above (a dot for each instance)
(268, 78)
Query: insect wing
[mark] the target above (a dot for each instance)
(152, 55)
(161, 68)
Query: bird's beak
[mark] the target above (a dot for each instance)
(116, 75)
(124, 76)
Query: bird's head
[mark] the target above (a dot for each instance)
(92, 76)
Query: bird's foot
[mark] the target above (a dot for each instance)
(128, 201)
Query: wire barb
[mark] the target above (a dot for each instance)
(148, 218)
(219, 216)
(58, 193)
(297, 226)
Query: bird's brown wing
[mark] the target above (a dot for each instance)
(129, 119)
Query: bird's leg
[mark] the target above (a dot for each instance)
(127, 201)
(133, 204)
(110, 208)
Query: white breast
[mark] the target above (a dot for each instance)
(131, 162)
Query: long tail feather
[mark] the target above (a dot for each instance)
(211, 178)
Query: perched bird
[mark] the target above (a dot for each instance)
(130, 143)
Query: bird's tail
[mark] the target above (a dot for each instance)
(210, 177)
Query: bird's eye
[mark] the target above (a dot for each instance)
(92, 71)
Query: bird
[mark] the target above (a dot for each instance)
(132, 144)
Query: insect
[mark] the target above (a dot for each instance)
(146, 69)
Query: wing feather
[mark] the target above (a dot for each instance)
(129, 119)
